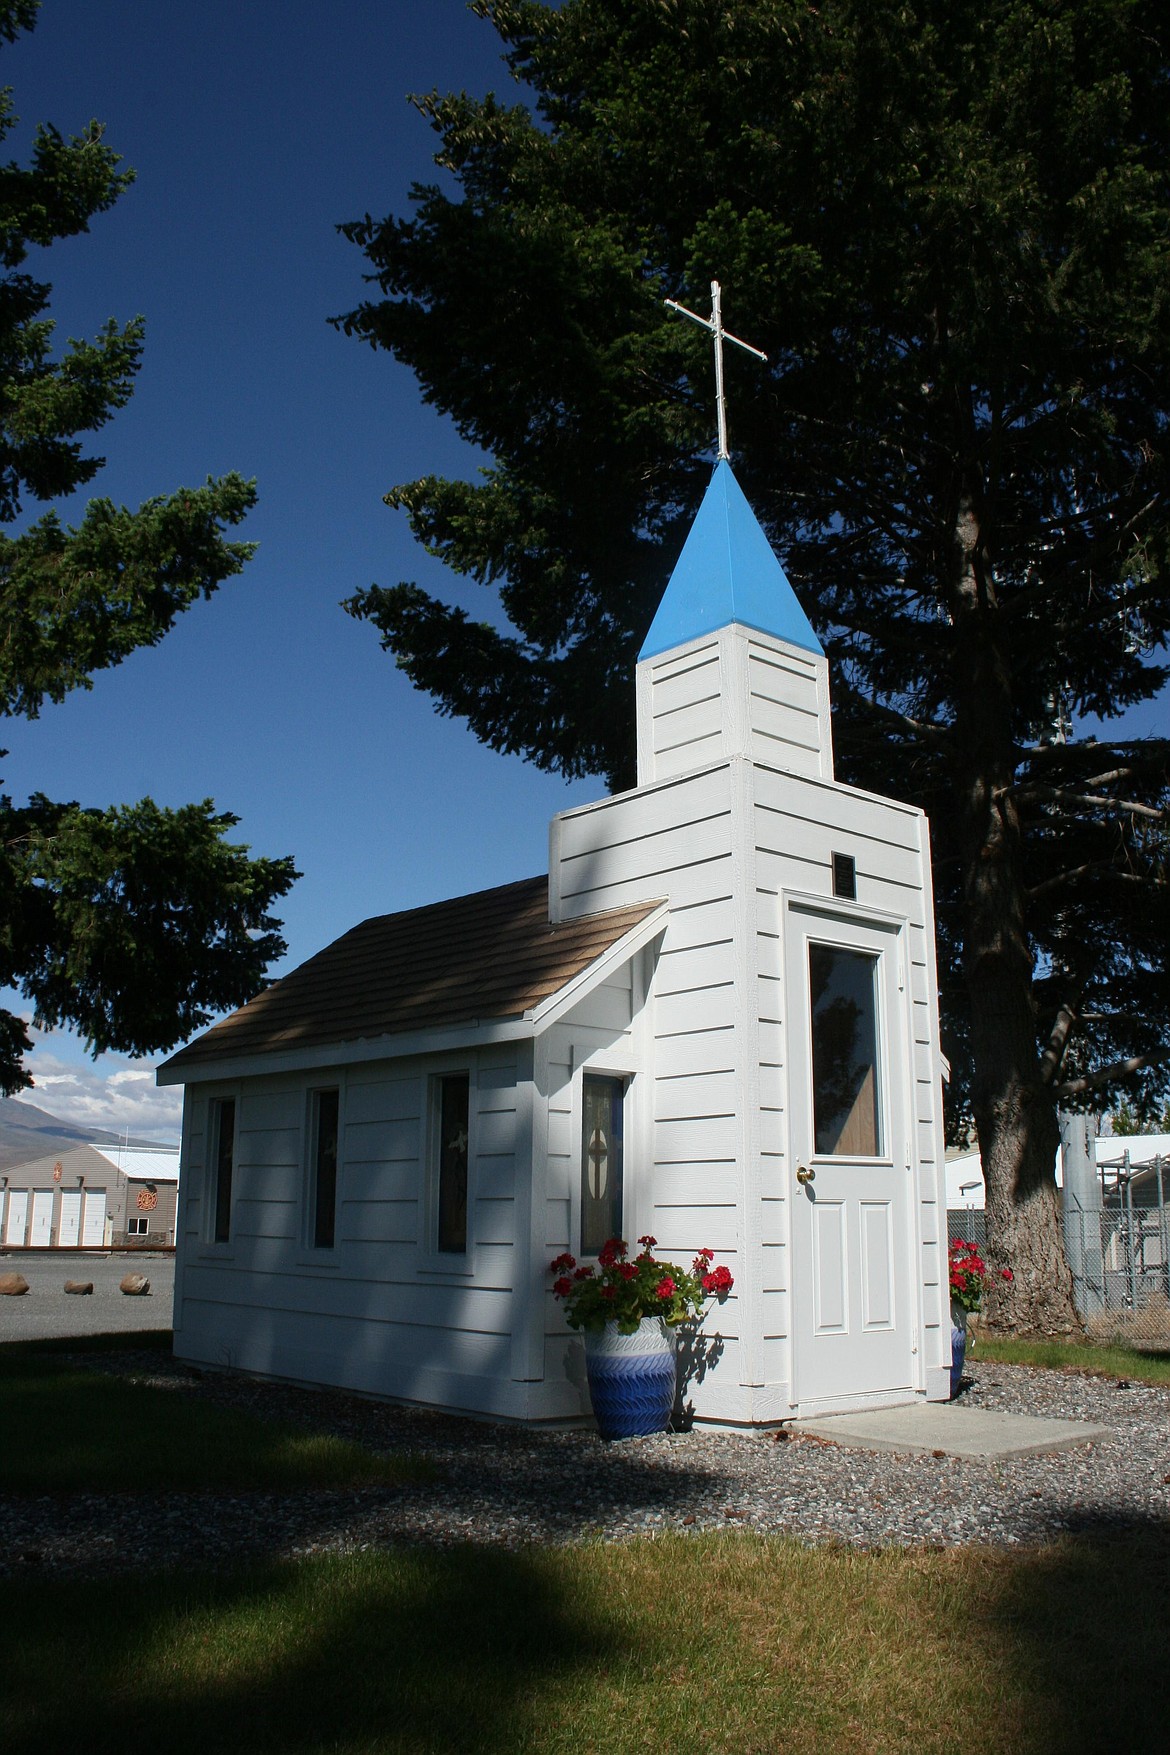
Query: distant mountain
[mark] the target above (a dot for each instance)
(27, 1132)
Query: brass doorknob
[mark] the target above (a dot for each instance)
(804, 1175)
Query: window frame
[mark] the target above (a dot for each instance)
(216, 1105)
(628, 1079)
(432, 1259)
(137, 1225)
(318, 1251)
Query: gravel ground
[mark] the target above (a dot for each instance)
(509, 1486)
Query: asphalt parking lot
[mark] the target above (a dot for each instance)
(46, 1310)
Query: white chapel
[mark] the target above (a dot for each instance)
(714, 1021)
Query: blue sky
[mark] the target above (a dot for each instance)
(255, 128)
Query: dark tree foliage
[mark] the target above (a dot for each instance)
(134, 924)
(948, 224)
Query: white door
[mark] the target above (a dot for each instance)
(849, 1165)
(93, 1219)
(41, 1233)
(69, 1223)
(17, 1218)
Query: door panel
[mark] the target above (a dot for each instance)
(830, 1268)
(93, 1221)
(17, 1218)
(69, 1231)
(42, 1219)
(878, 1301)
(849, 1179)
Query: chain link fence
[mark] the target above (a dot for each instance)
(1118, 1250)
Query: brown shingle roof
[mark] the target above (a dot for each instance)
(489, 955)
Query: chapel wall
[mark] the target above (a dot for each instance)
(379, 1311)
(677, 840)
(798, 828)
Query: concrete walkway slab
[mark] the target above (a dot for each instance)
(957, 1431)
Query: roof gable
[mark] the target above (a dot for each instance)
(727, 572)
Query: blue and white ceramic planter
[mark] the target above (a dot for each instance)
(631, 1378)
(958, 1346)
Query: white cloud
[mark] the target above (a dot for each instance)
(113, 1091)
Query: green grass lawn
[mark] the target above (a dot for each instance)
(1139, 1365)
(81, 1430)
(709, 1644)
(714, 1643)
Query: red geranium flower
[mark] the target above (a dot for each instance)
(665, 1287)
(1006, 1274)
(648, 1242)
(562, 1287)
(562, 1263)
(583, 1273)
(627, 1270)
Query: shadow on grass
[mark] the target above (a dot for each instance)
(84, 1431)
(139, 1340)
(414, 1650)
(1082, 1626)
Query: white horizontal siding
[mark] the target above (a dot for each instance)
(784, 711)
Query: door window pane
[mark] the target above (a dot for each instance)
(601, 1161)
(843, 989)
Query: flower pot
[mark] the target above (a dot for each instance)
(958, 1346)
(631, 1378)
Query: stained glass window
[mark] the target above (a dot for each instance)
(601, 1160)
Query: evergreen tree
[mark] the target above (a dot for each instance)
(948, 225)
(135, 924)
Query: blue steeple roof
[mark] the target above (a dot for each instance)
(727, 572)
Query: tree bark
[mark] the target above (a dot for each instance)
(1015, 1112)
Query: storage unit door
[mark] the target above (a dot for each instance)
(17, 1220)
(93, 1219)
(41, 1232)
(69, 1225)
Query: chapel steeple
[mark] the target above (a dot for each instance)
(727, 572)
(731, 665)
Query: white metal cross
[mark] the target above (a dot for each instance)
(714, 323)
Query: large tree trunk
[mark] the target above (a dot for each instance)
(1015, 1114)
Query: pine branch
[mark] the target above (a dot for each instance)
(1087, 800)
(1105, 1075)
(1074, 872)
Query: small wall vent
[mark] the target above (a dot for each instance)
(845, 876)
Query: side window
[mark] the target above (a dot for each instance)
(452, 1121)
(223, 1164)
(602, 1102)
(324, 1107)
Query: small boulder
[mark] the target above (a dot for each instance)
(134, 1285)
(82, 1288)
(12, 1285)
